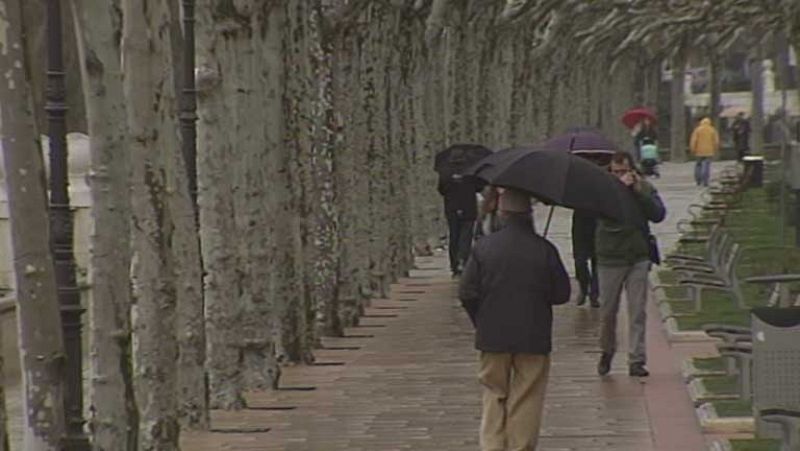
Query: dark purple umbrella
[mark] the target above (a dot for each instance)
(582, 141)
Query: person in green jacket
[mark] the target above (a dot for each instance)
(624, 259)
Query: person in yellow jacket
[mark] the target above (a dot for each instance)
(704, 144)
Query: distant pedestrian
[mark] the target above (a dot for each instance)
(583, 227)
(704, 145)
(741, 135)
(646, 131)
(510, 283)
(461, 211)
(624, 256)
(649, 158)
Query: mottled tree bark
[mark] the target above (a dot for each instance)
(714, 89)
(297, 313)
(349, 177)
(157, 284)
(239, 54)
(114, 414)
(377, 91)
(261, 185)
(190, 323)
(326, 142)
(39, 324)
(4, 440)
(678, 135)
(4, 444)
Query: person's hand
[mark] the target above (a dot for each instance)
(629, 178)
(637, 181)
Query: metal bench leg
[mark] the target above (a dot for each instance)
(791, 435)
(746, 377)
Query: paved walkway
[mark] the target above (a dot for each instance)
(405, 379)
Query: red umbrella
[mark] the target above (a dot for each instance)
(636, 115)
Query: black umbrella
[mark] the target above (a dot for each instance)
(458, 157)
(583, 141)
(560, 178)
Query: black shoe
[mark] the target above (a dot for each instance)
(638, 370)
(581, 299)
(604, 366)
(594, 302)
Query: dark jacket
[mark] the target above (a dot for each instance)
(647, 132)
(508, 288)
(583, 227)
(459, 196)
(618, 244)
(741, 133)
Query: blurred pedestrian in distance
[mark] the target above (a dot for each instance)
(704, 145)
(646, 131)
(741, 135)
(461, 210)
(649, 157)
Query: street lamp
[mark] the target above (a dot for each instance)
(61, 232)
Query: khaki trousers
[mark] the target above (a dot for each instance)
(513, 399)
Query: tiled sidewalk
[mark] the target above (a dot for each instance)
(412, 385)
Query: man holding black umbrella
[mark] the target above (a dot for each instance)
(625, 252)
(509, 286)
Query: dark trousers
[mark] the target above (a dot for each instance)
(586, 273)
(460, 240)
(650, 166)
(741, 151)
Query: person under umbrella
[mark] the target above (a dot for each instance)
(592, 145)
(641, 123)
(741, 135)
(646, 133)
(460, 202)
(584, 257)
(511, 282)
(625, 253)
(625, 204)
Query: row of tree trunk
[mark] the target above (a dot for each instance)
(318, 124)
